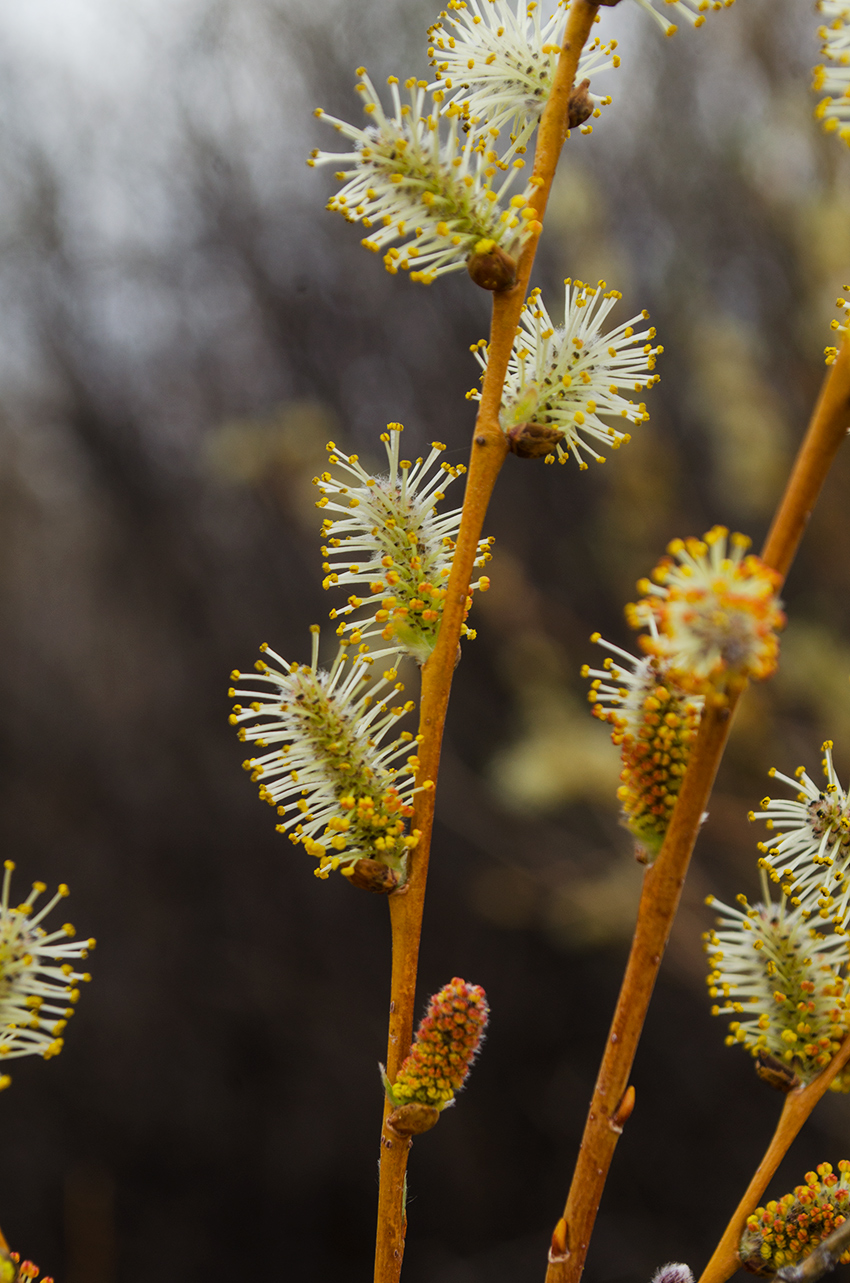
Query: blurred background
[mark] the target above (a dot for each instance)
(183, 329)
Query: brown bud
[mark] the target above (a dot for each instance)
(533, 440)
(559, 1251)
(581, 105)
(779, 1076)
(623, 1112)
(491, 268)
(371, 875)
(413, 1119)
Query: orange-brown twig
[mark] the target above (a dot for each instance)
(796, 1109)
(487, 456)
(828, 427)
(4, 1246)
(662, 888)
(663, 882)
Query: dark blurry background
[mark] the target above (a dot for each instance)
(183, 329)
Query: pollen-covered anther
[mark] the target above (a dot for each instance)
(14, 1270)
(693, 11)
(786, 1230)
(716, 611)
(840, 326)
(446, 1043)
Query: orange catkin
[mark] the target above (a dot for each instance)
(445, 1046)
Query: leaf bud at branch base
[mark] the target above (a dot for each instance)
(533, 440)
(413, 1119)
(491, 268)
(777, 1075)
(581, 105)
(371, 875)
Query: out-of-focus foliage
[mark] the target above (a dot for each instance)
(183, 329)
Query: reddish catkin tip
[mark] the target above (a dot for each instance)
(446, 1043)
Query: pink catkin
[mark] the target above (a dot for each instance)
(445, 1046)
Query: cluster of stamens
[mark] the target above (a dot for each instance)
(788, 1229)
(716, 612)
(653, 724)
(39, 984)
(418, 177)
(446, 1043)
(785, 983)
(339, 792)
(14, 1270)
(833, 74)
(389, 541)
(811, 857)
(496, 61)
(564, 381)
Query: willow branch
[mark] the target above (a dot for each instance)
(828, 427)
(489, 448)
(662, 887)
(796, 1109)
(663, 882)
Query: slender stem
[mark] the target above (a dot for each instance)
(827, 429)
(489, 448)
(662, 888)
(796, 1109)
(662, 884)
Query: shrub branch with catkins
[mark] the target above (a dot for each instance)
(438, 179)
